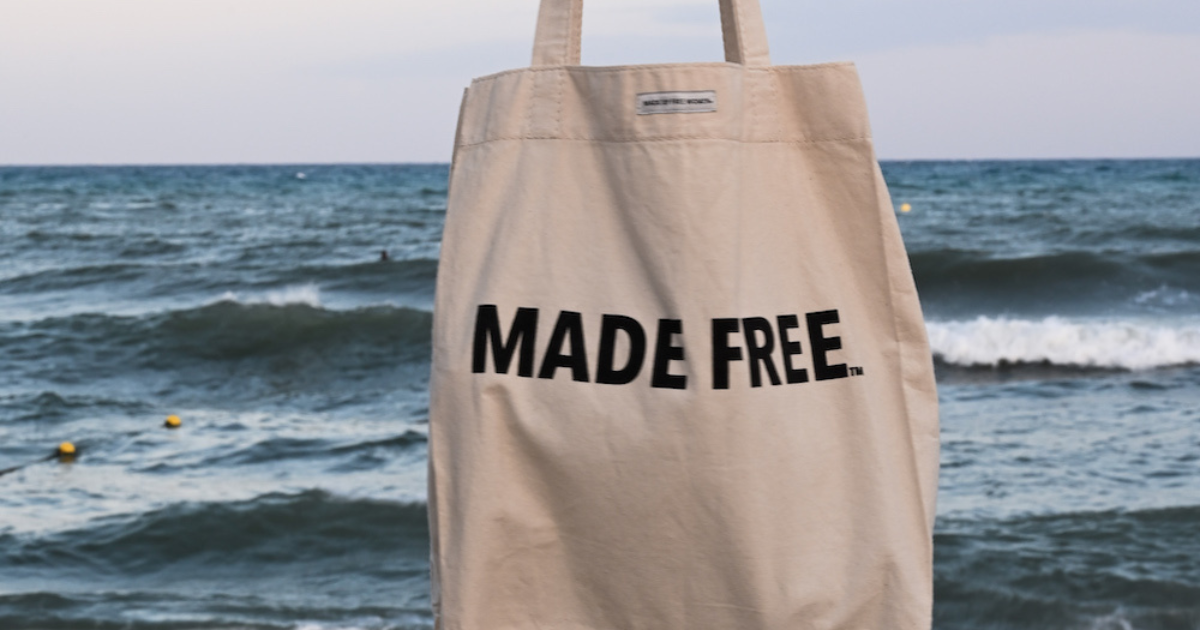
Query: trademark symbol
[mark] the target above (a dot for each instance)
(856, 371)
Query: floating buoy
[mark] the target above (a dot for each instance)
(904, 207)
(66, 452)
(173, 422)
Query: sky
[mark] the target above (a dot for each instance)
(319, 81)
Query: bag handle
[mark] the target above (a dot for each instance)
(560, 31)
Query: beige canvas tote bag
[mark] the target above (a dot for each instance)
(680, 375)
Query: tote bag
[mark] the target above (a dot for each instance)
(680, 374)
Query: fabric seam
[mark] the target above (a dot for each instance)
(903, 343)
(664, 66)
(668, 139)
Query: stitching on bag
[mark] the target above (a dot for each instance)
(670, 139)
(669, 66)
(533, 99)
(537, 95)
(901, 345)
(575, 38)
(558, 114)
(753, 93)
(756, 107)
(776, 98)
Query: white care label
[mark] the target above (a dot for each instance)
(676, 102)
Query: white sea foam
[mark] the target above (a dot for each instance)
(313, 626)
(1116, 344)
(1165, 297)
(1115, 621)
(376, 623)
(308, 294)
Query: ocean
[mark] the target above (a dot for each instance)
(1063, 306)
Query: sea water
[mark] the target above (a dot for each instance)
(1063, 307)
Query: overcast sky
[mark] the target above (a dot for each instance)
(218, 81)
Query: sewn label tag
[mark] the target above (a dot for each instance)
(676, 102)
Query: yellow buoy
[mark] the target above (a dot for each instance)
(905, 207)
(173, 422)
(66, 452)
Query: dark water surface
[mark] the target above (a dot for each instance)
(1063, 301)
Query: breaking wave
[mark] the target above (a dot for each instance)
(1121, 345)
(308, 295)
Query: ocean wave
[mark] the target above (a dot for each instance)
(279, 285)
(415, 276)
(310, 527)
(1057, 341)
(1059, 282)
(1070, 570)
(261, 605)
(51, 406)
(966, 268)
(276, 449)
(227, 348)
(308, 295)
(63, 278)
(232, 330)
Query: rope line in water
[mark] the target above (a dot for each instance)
(56, 455)
(67, 452)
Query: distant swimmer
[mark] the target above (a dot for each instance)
(383, 256)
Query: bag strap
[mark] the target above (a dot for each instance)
(560, 31)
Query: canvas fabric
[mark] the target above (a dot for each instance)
(680, 373)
